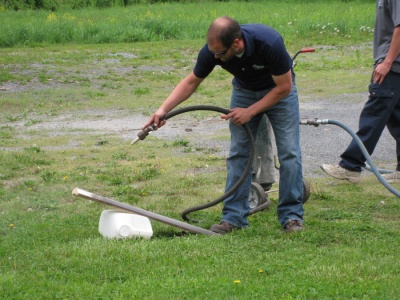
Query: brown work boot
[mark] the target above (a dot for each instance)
(293, 226)
(222, 228)
(338, 172)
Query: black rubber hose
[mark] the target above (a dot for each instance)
(245, 173)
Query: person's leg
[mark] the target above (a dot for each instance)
(285, 121)
(236, 206)
(263, 164)
(373, 119)
(393, 124)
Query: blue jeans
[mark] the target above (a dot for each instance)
(285, 118)
(382, 109)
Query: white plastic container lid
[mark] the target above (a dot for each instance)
(117, 224)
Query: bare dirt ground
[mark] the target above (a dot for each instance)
(322, 144)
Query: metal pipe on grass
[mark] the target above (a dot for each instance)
(153, 216)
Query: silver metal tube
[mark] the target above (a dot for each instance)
(142, 212)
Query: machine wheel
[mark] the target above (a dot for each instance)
(306, 190)
(257, 195)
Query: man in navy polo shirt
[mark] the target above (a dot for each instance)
(263, 83)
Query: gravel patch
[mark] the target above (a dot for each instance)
(322, 144)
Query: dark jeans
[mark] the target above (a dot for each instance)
(382, 109)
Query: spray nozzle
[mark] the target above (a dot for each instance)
(142, 134)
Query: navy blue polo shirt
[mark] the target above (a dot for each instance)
(265, 55)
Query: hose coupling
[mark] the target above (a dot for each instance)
(316, 122)
(142, 134)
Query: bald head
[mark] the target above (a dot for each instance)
(224, 30)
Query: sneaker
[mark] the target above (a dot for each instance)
(222, 228)
(338, 172)
(392, 177)
(293, 226)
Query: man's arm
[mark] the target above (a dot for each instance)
(283, 87)
(181, 92)
(383, 68)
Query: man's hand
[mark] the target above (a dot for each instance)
(239, 116)
(156, 119)
(380, 72)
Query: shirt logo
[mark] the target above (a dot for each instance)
(255, 67)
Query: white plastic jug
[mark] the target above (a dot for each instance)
(117, 224)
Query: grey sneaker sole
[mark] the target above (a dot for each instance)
(340, 176)
(392, 177)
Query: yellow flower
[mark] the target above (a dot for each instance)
(65, 177)
(51, 17)
(149, 14)
(12, 226)
(112, 20)
(236, 281)
(260, 271)
(69, 17)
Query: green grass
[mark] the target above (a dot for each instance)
(321, 21)
(50, 247)
(53, 249)
(49, 241)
